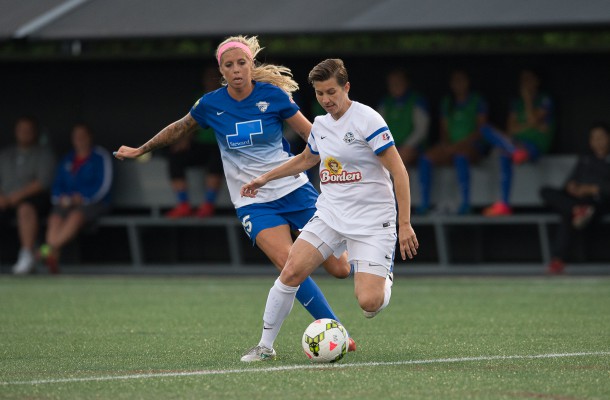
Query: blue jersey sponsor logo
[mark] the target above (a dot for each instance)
(245, 131)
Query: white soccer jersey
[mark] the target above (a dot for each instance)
(357, 193)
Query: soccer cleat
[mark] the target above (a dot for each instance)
(351, 345)
(259, 353)
(556, 267)
(25, 263)
(497, 210)
(520, 156)
(581, 216)
(205, 210)
(180, 211)
(49, 258)
(52, 264)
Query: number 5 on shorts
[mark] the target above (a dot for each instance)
(247, 224)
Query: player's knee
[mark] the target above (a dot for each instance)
(339, 268)
(291, 275)
(369, 302)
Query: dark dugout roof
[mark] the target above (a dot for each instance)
(101, 19)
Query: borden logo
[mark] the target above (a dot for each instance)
(334, 173)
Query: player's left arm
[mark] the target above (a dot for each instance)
(167, 136)
(300, 125)
(406, 235)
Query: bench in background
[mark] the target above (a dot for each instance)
(146, 185)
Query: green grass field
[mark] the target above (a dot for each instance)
(181, 338)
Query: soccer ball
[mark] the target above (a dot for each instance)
(325, 340)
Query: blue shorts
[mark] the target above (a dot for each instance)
(294, 209)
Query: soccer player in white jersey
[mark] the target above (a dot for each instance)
(247, 115)
(356, 209)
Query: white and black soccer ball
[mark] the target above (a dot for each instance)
(325, 340)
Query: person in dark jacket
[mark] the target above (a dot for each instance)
(585, 196)
(80, 193)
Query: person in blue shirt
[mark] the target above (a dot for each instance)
(247, 116)
(80, 193)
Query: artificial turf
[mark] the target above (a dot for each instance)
(132, 337)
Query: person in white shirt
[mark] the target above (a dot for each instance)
(356, 209)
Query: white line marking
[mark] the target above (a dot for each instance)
(301, 367)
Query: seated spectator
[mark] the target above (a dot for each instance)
(463, 114)
(406, 114)
(80, 194)
(584, 198)
(529, 135)
(200, 149)
(26, 172)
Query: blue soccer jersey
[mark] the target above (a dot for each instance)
(250, 136)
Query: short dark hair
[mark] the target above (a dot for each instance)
(331, 67)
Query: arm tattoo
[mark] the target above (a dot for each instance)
(171, 134)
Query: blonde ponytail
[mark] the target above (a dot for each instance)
(277, 75)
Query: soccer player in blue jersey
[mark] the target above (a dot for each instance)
(247, 115)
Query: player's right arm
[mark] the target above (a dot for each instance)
(167, 136)
(294, 166)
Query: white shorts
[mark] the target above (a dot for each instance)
(373, 254)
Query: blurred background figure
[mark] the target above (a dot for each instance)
(406, 113)
(80, 193)
(584, 198)
(463, 112)
(530, 133)
(26, 172)
(199, 149)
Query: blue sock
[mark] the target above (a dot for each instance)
(311, 297)
(462, 169)
(425, 181)
(211, 195)
(506, 176)
(183, 196)
(497, 139)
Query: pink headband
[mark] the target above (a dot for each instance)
(232, 45)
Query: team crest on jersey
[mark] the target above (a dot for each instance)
(349, 138)
(385, 136)
(262, 105)
(334, 173)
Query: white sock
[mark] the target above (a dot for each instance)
(26, 253)
(387, 293)
(279, 304)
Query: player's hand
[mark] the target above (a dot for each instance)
(251, 189)
(127, 152)
(408, 241)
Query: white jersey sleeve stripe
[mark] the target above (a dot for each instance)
(382, 148)
(377, 132)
